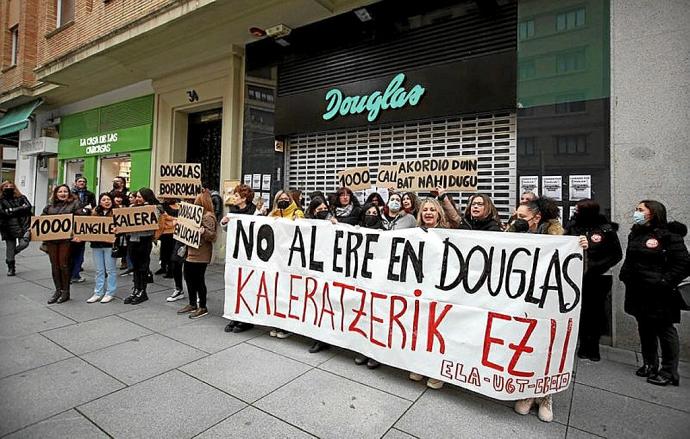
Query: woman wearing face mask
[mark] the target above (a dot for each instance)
(656, 261)
(285, 207)
(347, 208)
(481, 214)
(603, 253)
(62, 202)
(395, 217)
(410, 203)
(15, 216)
(103, 260)
(541, 217)
(242, 198)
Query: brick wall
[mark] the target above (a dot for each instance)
(20, 75)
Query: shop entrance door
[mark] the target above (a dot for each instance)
(73, 169)
(114, 166)
(203, 144)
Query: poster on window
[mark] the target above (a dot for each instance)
(552, 187)
(256, 182)
(248, 179)
(529, 183)
(580, 187)
(495, 313)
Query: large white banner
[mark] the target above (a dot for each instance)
(496, 313)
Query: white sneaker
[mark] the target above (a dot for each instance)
(107, 298)
(273, 333)
(176, 295)
(283, 334)
(93, 299)
(523, 406)
(416, 376)
(545, 408)
(433, 383)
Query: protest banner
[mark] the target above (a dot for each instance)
(179, 180)
(424, 175)
(94, 228)
(51, 227)
(356, 179)
(496, 313)
(135, 219)
(187, 227)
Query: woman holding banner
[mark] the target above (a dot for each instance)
(656, 261)
(481, 214)
(103, 260)
(62, 202)
(346, 208)
(15, 215)
(395, 217)
(198, 259)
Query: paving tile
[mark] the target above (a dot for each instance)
(29, 322)
(388, 379)
(608, 414)
(394, 433)
(255, 424)
(329, 406)
(574, 433)
(96, 334)
(157, 318)
(80, 311)
(28, 352)
(295, 347)
(142, 358)
(28, 290)
(452, 413)
(172, 405)
(208, 334)
(70, 424)
(35, 395)
(621, 378)
(14, 302)
(245, 371)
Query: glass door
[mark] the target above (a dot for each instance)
(73, 170)
(114, 166)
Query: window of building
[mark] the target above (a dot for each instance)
(14, 56)
(570, 145)
(527, 69)
(570, 20)
(525, 146)
(526, 30)
(570, 62)
(570, 107)
(64, 12)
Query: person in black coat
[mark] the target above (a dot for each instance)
(481, 214)
(656, 261)
(15, 215)
(346, 207)
(603, 253)
(87, 201)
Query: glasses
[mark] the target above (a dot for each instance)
(477, 203)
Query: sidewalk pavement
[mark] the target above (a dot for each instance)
(76, 370)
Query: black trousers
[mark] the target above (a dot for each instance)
(167, 244)
(175, 268)
(140, 254)
(595, 290)
(653, 333)
(194, 274)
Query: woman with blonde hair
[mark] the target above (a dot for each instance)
(198, 259)
(284, 207)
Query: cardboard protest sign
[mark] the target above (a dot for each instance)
(166, 224)
(135, 219)
(228, 187)
(94, 228)
(51, 227)
(187, 227)
(496, 313)
(424, 175)
(179, 180)
(356, 179)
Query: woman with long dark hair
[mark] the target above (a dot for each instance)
(481, 214)
(103, 260)
(15, 215)
(139, 246)
(410, 202)
(346, 208)
(656, 261)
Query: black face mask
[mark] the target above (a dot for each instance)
(8, 192)
(370, 220)
(322, 215)
(283, 204)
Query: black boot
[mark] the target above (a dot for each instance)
(54, 297)
(131, 297)
(11, 268)
(64, 296)
(140, 297)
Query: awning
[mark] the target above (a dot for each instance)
(17, 118)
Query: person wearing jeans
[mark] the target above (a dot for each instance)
(103, 258)
(87, 201)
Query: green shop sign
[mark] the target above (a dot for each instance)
(395, 96)
(112, 142)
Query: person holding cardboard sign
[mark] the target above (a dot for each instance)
(103, 260)
(62, 202)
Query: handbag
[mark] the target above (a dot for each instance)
(179, 253)
(119, 249)
(683, 295)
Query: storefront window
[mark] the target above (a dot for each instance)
(73, 170)
(111, 167)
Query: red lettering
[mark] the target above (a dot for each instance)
(433, 327)
(395, 317)
(263, 294)
(292, 297)
(415, 324)
(522, 347)
(488, 340)
(240, 286)
(325, 297)
(373, 318)
(310, 296)
(565, 345)
(552, 338)
(359, 312)
(276, 313)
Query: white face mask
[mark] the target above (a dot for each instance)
(394, 205)
(639, 218)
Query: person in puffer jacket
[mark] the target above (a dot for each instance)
(15, 215)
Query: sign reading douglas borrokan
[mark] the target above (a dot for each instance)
(496, 313)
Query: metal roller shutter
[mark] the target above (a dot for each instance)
(313, 160)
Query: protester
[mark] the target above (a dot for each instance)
(167, 219)
(395, 217)
(410, 203)
(120, 245)
(119, 186)
(87, 201)
(103, 260)
(656, 261)
(139, 246)
(169, 249)
(285, 207)
(198, 259)
(261, 206)
(241, 197)
(449, 208)
(296, 196)
(346, 207)
(376, 199)
(481, 214)
(15, 216)
(603, 253)
(526, 197)
(63, 201)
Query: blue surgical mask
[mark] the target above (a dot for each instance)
(394, 205)
(638, 218)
